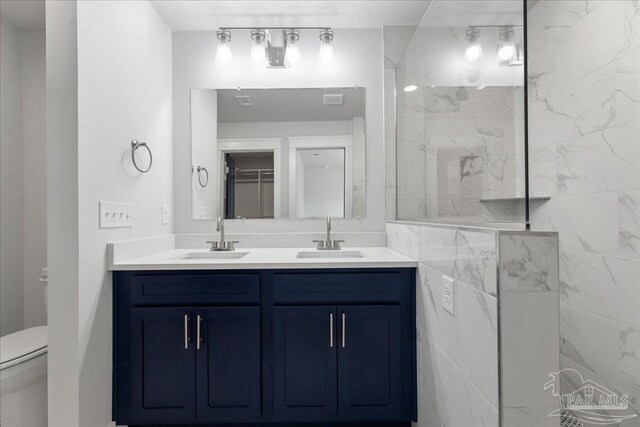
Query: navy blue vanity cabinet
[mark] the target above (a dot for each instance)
(369, 363)
(305, 383)
(163, 363)
(286, 347)
(228, 364)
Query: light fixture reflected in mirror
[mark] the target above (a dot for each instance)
(258, 55)
(410, 88)
(326, 49)
(223, 53)
(507, 51)
(474, 52)
(292, 53)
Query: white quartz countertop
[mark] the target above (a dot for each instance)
(266, 258)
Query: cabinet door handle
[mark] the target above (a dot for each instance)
(344, 330)
(331, 330)
(198, 339)
(186, 331)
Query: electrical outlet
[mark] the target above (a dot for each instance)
(166, 214)
(116, 215)
(449, 294)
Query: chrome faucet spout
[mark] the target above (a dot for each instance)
(220, 228)
(328, 231)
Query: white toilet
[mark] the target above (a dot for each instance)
(23, 377)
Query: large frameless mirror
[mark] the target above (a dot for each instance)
(278, 153)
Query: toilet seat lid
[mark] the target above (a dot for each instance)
(22, 345)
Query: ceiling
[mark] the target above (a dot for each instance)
(462, 13)
(183, 15)
(26, 15)
(289, 105)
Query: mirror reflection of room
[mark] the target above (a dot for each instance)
(278, 153)
(248, 185)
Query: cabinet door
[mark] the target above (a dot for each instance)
(304, 363)
(228, 364)
(369, 355)
(162, 365)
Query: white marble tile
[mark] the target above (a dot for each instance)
(629, 216)
(427, 416)
(453, 398)
(589, 339)
(543, 171)
(404, 239)
(528, 262)
(530, 416)
(477, 349)
(611, 32)
(630, 359)
(570, 381)
(440, 325)
(467, 256)
(608, 160)
(586, 222)
(529, 346)
(608, 286)
(605, 98)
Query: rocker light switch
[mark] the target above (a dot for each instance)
(449, 294)
(116, 215)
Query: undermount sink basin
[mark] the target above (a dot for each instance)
(330, 254)
(213, 255)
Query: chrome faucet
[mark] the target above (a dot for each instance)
(222, 245)
(328, 245)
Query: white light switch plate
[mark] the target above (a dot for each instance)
(205, 212)
(449, 294)
(166, 214)
(115, 215)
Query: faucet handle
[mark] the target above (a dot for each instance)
(230, 244)
(214, 245)
(336, 243)
(320, 243)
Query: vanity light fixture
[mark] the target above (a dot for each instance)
(292, 52)
(507, 50)
(223, 53)
(326, 49)
(258, 55)
(473, 53)
(410, 88)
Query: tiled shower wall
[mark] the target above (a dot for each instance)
(506, 308)
(584, 65)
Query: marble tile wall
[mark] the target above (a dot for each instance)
(458, 355)
(584, 63)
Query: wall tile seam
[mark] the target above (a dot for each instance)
(576, 138)
(561, 249)
(617, 383)
(600, 315)
(473, 288)
(438, 348)
(615, 61)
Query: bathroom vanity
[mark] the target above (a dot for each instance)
(199, 341)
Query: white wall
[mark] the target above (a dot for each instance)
(34, 136)
(124, 88)
(117, 88)
(11, 181)
(62, 215)
(23, 194)
(204, 128)
(358, 61)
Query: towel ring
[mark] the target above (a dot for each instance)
(200, 169)
(134, 146)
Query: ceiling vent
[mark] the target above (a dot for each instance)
(244, 100)
(333, 99)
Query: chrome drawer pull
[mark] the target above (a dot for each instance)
(344, 330)
(186, 331)
(331, 330)
(198, 339)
